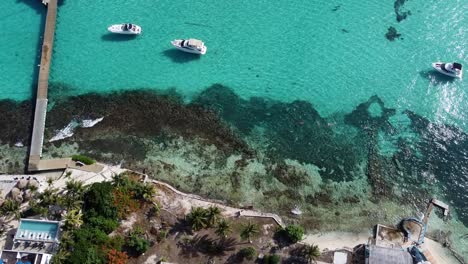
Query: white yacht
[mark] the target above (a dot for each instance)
(450, 69)
(190, 45)
(127, 29)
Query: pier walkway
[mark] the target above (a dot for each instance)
(37, 138)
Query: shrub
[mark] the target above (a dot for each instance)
(290, 234)
(116, 243)
(294, 233)
(104, 224)
(116, 257)
(99, 201)
(162, 235)
(84, 159)
(136, 243)
(271, 259)
(248, 253)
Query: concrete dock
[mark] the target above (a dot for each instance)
(37, 138)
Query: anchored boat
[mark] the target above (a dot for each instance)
(450, 69)
(127, 29)
(190, 45)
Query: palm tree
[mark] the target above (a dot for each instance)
(33, 188)
(49, 197)
(248, 231)
(120, 180)
(197, 218)
(50, 181)
(223, 229)
(11, 207)
(311, 253)
(73, 219)
(148, 192)
(75, 188)
(213, 214)
(60, 257)
(74, 194)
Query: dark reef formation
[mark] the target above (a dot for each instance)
(392, 34)
(15, 121)
(442, 152)
(369, 126)
(294, 130)
(144, 114)
(400, 13)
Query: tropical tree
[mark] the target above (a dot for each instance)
(223, 229)
(120, 180)
(148, 191)
(33, 188)
(11, 207)
(294, 233)
(50, 181)
(60, 257)
(248, 231)
(198, 218)
(311, 253)
(73, 198)
(73, 219)
(49, 197)
(213, 214)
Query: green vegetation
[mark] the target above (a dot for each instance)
(81, 158)
(136, 243)
(10, 208)
(294, 233)
(310, 253)
(223, 229)
(94, 213)
(213, 215)
(271, 259)
(248, 253)
(290, 234)
(73, 219)
(197, 218)
(200, 218)
(249, 231)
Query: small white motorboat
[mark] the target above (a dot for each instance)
(190, 45)
(127, 29)
(450, 69)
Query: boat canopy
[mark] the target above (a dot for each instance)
(457, 66)
(128, 26)
(195, 43)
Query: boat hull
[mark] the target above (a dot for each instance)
(117, 29)
(438, 67)
(177, 45)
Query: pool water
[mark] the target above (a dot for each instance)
(47, 229)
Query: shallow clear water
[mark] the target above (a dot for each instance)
(21, 22)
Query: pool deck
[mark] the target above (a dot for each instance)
(35, 163)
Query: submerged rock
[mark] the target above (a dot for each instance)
(392, 34)
(398, 8)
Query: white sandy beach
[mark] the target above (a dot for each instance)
(338, 240)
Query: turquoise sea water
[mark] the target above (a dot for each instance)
(331, 53)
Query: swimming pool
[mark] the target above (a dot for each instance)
(37, 230)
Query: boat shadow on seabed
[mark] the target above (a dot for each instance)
(117, 37)
(436, 77)
(179, 56)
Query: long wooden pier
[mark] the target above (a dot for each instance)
(37, 138)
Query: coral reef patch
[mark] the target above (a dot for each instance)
(400, 13)
(392, 34)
